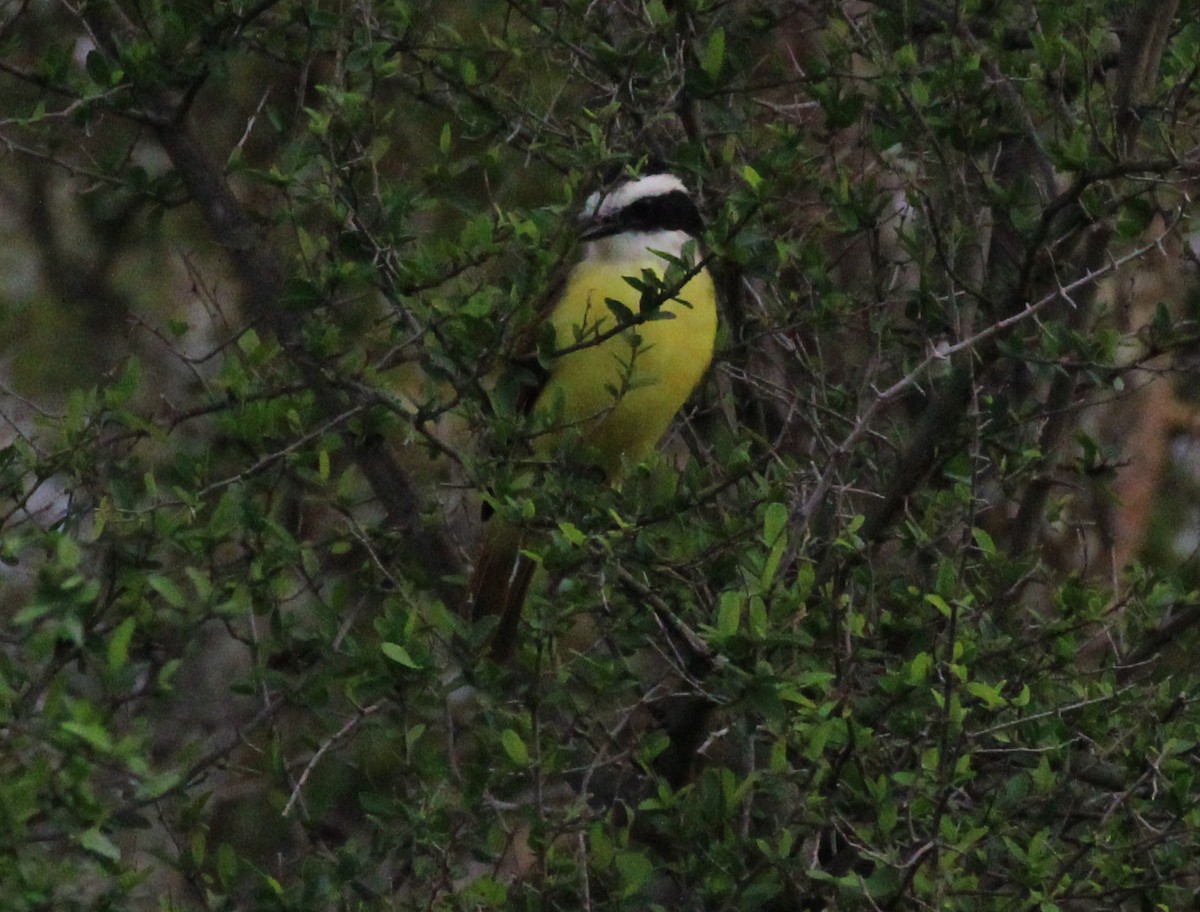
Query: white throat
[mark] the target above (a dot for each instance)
(637, 245)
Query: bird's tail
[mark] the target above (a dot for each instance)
(499, 583)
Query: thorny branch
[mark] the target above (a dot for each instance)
(803, 513)
(263, 274)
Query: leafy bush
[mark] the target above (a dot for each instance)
(892, 622)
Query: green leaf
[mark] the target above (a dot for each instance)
(572, 533)
(157, 786)
(480, 232)
(413, 735)
(984, 542)
(97, 843)
(249, 342)
(919, 667)
(906, 57)
(227, 865)
(774, 520)
(67, 551)
(656, 11)
(93, 733)
(514, 747)
(774, 524)
(714, 54)
(757, 619)
(34, 611)
(118, 644)
(399, 655)
(166, 587)
(635, 870)
(987, 693)
(729, 613)
(621, 311)
(806, 578)
(200, 582)
(939, 603)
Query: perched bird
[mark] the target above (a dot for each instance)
(626, 356)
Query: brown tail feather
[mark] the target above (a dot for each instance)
(499, 583)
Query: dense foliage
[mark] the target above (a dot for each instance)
(895, 620)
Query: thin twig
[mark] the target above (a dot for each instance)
(352, 723)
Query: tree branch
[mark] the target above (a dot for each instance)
(1142, 46)
(263, 273)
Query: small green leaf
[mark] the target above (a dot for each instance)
(199, 848)
(118, 644)
(774, 519)
(939, 603)
(413, 735)
(729, 613)
(714, 54)
(919, 667)
(984, 542)
(94, 734)
(227, 864)
(32, 612)
(200, 582)
(621, 311)
(635, 870)
(97, 843)
(249, 342)
(571, 533)
(906, 57)
(514, 747)
(166, 587)
(757, 620)
(157, 786)
(774, 524)
(444, 141)
(656, 11)
(399, 655)
(806, 578)
(480, 232)
(67, 551)
(987, 693)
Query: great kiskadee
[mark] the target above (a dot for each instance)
(627, 356)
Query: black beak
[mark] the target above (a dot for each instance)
(594, 229)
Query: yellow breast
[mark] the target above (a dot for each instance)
(623, 393)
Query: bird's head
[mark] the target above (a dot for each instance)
(640, 210)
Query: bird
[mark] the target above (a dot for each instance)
(633, 334)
